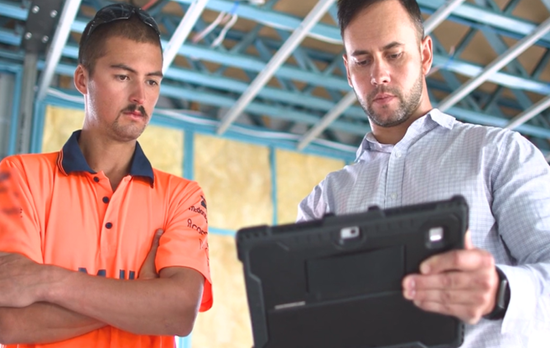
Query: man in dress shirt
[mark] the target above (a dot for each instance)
(415, 154)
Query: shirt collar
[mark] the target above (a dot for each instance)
(71, 160)
(433, 118)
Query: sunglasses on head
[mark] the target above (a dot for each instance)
(121, 11)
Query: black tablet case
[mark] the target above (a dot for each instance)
(308, 287)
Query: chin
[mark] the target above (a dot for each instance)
(129, 134)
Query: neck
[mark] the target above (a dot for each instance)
(104, 155)
(392, 135)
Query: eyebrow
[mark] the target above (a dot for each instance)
(389, 46)
(127, 68)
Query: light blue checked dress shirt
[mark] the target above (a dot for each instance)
(505, 180)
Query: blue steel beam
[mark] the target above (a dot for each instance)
(353, 128)
(260, 109)
(307, 64)
(514, 66)
(542, 65)
(511, 6)
(451, 79)
(485, 16)
(223, 83)
(10, 37)
(312, 18)
(194, 77)
(491, 103)
(13, 11)
(250, 63)
(273, 19)
(488, 3)
(329, 33)
(357, 129)
(461, 46)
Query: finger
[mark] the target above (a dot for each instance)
(474, 298)
(148, 269)
(468, 245)
(458, 260)
(156, 238)
(450, 281)
(467, 313)
(155, 244)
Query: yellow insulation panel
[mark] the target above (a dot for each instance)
(297, 175)
(236, 180)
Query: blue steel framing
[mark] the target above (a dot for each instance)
(17, 71)
(303, 107)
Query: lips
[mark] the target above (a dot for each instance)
(383, 97)
(134, 114)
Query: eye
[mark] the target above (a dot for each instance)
(152, 82)
(121, 77)
(395, 55)
(363, 62)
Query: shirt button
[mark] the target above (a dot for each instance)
(398, 154)
(108, 225)
(105, 200)
(96, 179)
(393, 196)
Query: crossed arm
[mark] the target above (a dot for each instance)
(43, 304)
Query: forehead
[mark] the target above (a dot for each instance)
(378, 25)
(120, 50)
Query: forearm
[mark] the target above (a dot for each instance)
(42, 323)
(164, 306)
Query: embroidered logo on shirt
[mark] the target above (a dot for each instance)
(199, 211)
(6, 191)
(190, 224)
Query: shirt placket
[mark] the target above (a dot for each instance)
(394, 177)
(107, 227)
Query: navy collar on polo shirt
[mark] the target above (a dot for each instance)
(74, 161)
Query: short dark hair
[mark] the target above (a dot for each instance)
(92, 46)
(348, 9)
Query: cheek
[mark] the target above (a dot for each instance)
(358, 75)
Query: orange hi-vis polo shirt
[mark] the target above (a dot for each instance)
(70, 217)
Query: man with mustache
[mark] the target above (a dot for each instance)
(500, 283)
(100, 252)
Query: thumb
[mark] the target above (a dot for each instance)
(153, 251)
(156, 239)
(148, 270)
(468, 245)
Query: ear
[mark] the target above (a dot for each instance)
(345, 57)
(81, 77)
(426, 52)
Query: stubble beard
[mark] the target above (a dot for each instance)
(407, 105)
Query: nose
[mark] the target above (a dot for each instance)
(138, 94)
(380, 74)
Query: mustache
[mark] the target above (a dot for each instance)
(135, 107)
